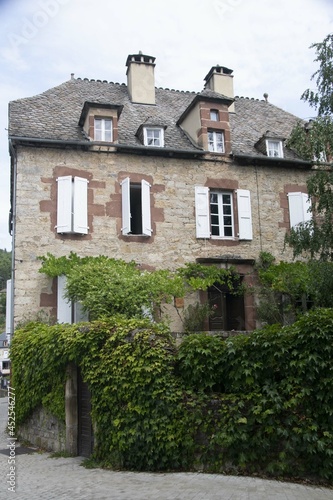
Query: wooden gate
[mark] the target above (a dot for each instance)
(85, 429)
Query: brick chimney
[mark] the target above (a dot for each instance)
(140, 78)
(220, 80)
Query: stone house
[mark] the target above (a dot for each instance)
(162, 177)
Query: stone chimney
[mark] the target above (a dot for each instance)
(140, 78)
(220, 80)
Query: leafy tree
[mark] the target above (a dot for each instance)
(5, 267)
(314, 142)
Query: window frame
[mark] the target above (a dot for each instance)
(126, 187)
(68, 311)
(278, 149)
(241, 199)
(214, 115)
(213, 142)
(103, 129)
(160, 138)
(221, 206)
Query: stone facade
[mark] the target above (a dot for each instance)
(173, 242)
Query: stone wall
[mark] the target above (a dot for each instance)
(173, 242)
(44, 431)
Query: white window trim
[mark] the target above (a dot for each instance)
(221, 215)
(72, 205)
(161, 136)
(68, 311)
(299, 204)
(145, 208)
(276, 142)
(103, 130)
(202, 214)
(212, 146)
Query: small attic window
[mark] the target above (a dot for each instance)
(274, 148)
(214, 115)
(103, 129)
(153, 136)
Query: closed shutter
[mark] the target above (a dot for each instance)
(80, 206)
(202, 221)
(299, 203)
(64, 306)
(64, 204)
(145, 201)
(126, 206)
(244, 214)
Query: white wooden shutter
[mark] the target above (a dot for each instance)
(64, 307)
(126, 206)
(64, 204)
(244, 214)
(299, 204)
(80, 206)
(145, 203)
(202, 221)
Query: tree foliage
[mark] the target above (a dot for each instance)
(313, 141)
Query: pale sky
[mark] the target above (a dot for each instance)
(265, 42)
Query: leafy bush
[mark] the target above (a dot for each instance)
(258, 403)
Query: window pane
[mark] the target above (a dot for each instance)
(215, 231)
(98, 135)
(214, 115)
(228, 231)
(214, 219)
(227, 220)
(213, 197)
(226, 199)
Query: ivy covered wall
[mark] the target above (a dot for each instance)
(261, 403)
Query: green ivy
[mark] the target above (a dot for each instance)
(259, 403)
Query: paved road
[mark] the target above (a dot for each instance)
(38, 476)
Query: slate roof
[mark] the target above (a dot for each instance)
(55, 115)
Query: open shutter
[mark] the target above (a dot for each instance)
(64, 204)
(145, 202)
(299, 204)
(126, 206)
(64, 307)
(202, 212)
(80, 206)
(244, 214)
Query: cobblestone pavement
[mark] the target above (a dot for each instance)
(38, 476)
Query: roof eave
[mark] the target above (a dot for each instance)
(247, 159)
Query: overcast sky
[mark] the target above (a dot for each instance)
(265, 42)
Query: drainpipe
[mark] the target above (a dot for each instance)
(13, 215)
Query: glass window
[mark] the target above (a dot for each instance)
(274, 149)
(215, 141)
(103, 129)
(153, 137)
(214, 115)
(221, 214)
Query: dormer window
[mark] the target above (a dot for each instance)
(214, 115)
(153, 136)
(103, 129)
(216, 141)
(274, 148)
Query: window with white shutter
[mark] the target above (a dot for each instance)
(68, 311)
(72, 205)
(299, 204)
(136, 212)
(214, 213)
